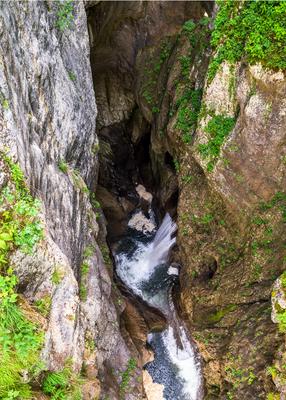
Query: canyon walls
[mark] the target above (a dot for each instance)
(210, 107)
(190, 102)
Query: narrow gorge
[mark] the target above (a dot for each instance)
(142, 200)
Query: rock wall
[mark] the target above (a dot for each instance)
(213, 153)
(47, 120)
(218, 149)
(231, 231)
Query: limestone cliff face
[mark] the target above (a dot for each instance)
(229, 191)
(213, 154)
(47, 120)
(231, 230)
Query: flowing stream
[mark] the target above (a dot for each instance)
(142, 263)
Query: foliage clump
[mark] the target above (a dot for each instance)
(126, 375)
(65, 15)
(63, 385)
(19, 223)
(20, 339)
(251, 30)
(188, 104)
(218, 129)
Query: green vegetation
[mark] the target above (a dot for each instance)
(63, 166)
(189, 105)
(218, 129)
(105, 254)
(187, 178)
(63, 385)
(219, 314)
(237, 374)
(177, 165)
(252, 30)
(88, 251)
(72, 76)
(205, 219)
(273, 396)
(278, 200)
(94, 202)
(20, 342)
(82, 292)
(95, 148)
(84, 268)
(57, 275)
(20, 339)
(65, 15)
(152, 71)
(19, 225)
(5, 104)
(43, 305)
(126, 375)
(189, 102)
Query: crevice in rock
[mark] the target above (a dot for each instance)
(130, 42)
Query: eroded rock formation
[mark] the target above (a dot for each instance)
(211, 151)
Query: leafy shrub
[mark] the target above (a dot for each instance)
(253, 30)
(20, 339)
(20, 343)
(19, 224)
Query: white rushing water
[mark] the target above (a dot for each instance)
(140, 267)
(142, 263)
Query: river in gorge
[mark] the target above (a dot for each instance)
(142, 264)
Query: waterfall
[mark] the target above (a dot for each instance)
(142, 263)
(163, 241)
(147, 257)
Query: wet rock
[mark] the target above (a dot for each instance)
(141, 223)
(154, 391)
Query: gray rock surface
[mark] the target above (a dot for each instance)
(47, 118)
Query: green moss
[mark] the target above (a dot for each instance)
(273, 396)
(152, 71)
(5, 104)
(72, 76)
(220, 314)
(189, 102)
(218, 129)
(105, 254)
(252, 30)
(63, 166)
